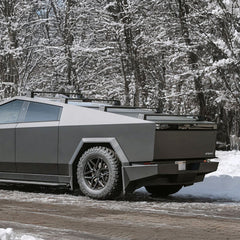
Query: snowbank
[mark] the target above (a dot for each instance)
(8, 234)
(222, 184)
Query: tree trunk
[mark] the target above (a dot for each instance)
(192, 57)
(9, 71)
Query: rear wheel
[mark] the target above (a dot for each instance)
(163, 190)
(99, 173)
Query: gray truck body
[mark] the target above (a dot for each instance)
(154, 150)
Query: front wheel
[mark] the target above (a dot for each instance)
(163, 190)
(99, 173)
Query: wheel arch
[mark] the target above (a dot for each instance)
(87, 143)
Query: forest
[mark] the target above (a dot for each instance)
(178, 56)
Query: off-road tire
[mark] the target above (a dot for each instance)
(163, 190)
(99, 173)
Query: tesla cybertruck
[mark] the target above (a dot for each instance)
(103, 150)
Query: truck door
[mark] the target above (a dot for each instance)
(37, 140)
(9, 113)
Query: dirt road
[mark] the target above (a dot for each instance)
(64, 216)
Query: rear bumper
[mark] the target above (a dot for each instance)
(136, 176)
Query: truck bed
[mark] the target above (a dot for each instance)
(177, 137)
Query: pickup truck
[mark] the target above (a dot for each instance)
(103, 150)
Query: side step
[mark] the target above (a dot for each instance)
(33, 182)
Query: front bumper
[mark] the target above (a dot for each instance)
(136, 176)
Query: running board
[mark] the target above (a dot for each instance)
(33, 182)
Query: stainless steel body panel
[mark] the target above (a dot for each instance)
(130, 137)
(76, 115)
(131, 134)
(37, 148)
(7, 147)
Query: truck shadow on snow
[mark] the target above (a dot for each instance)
(223, 188)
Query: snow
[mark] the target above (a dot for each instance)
(5, 234)
(8, 234)
(222, 184)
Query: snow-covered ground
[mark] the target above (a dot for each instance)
(222, 184)
(8, 234)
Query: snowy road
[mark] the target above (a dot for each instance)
(64, 216)
(208, 210)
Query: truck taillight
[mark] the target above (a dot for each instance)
(147, 163)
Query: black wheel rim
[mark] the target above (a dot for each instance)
(96, 173)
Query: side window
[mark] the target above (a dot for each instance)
(40, 112)
(9, 112)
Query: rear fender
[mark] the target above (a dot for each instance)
(93, 142)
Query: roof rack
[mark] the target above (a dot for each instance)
(171, 117)
(67, 94)
(107, 108)
(112, 101)
(78, 97)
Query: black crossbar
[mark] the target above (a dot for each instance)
(78, 98)
(33, 93)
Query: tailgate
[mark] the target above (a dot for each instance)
(182, 137)
(184, 144)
